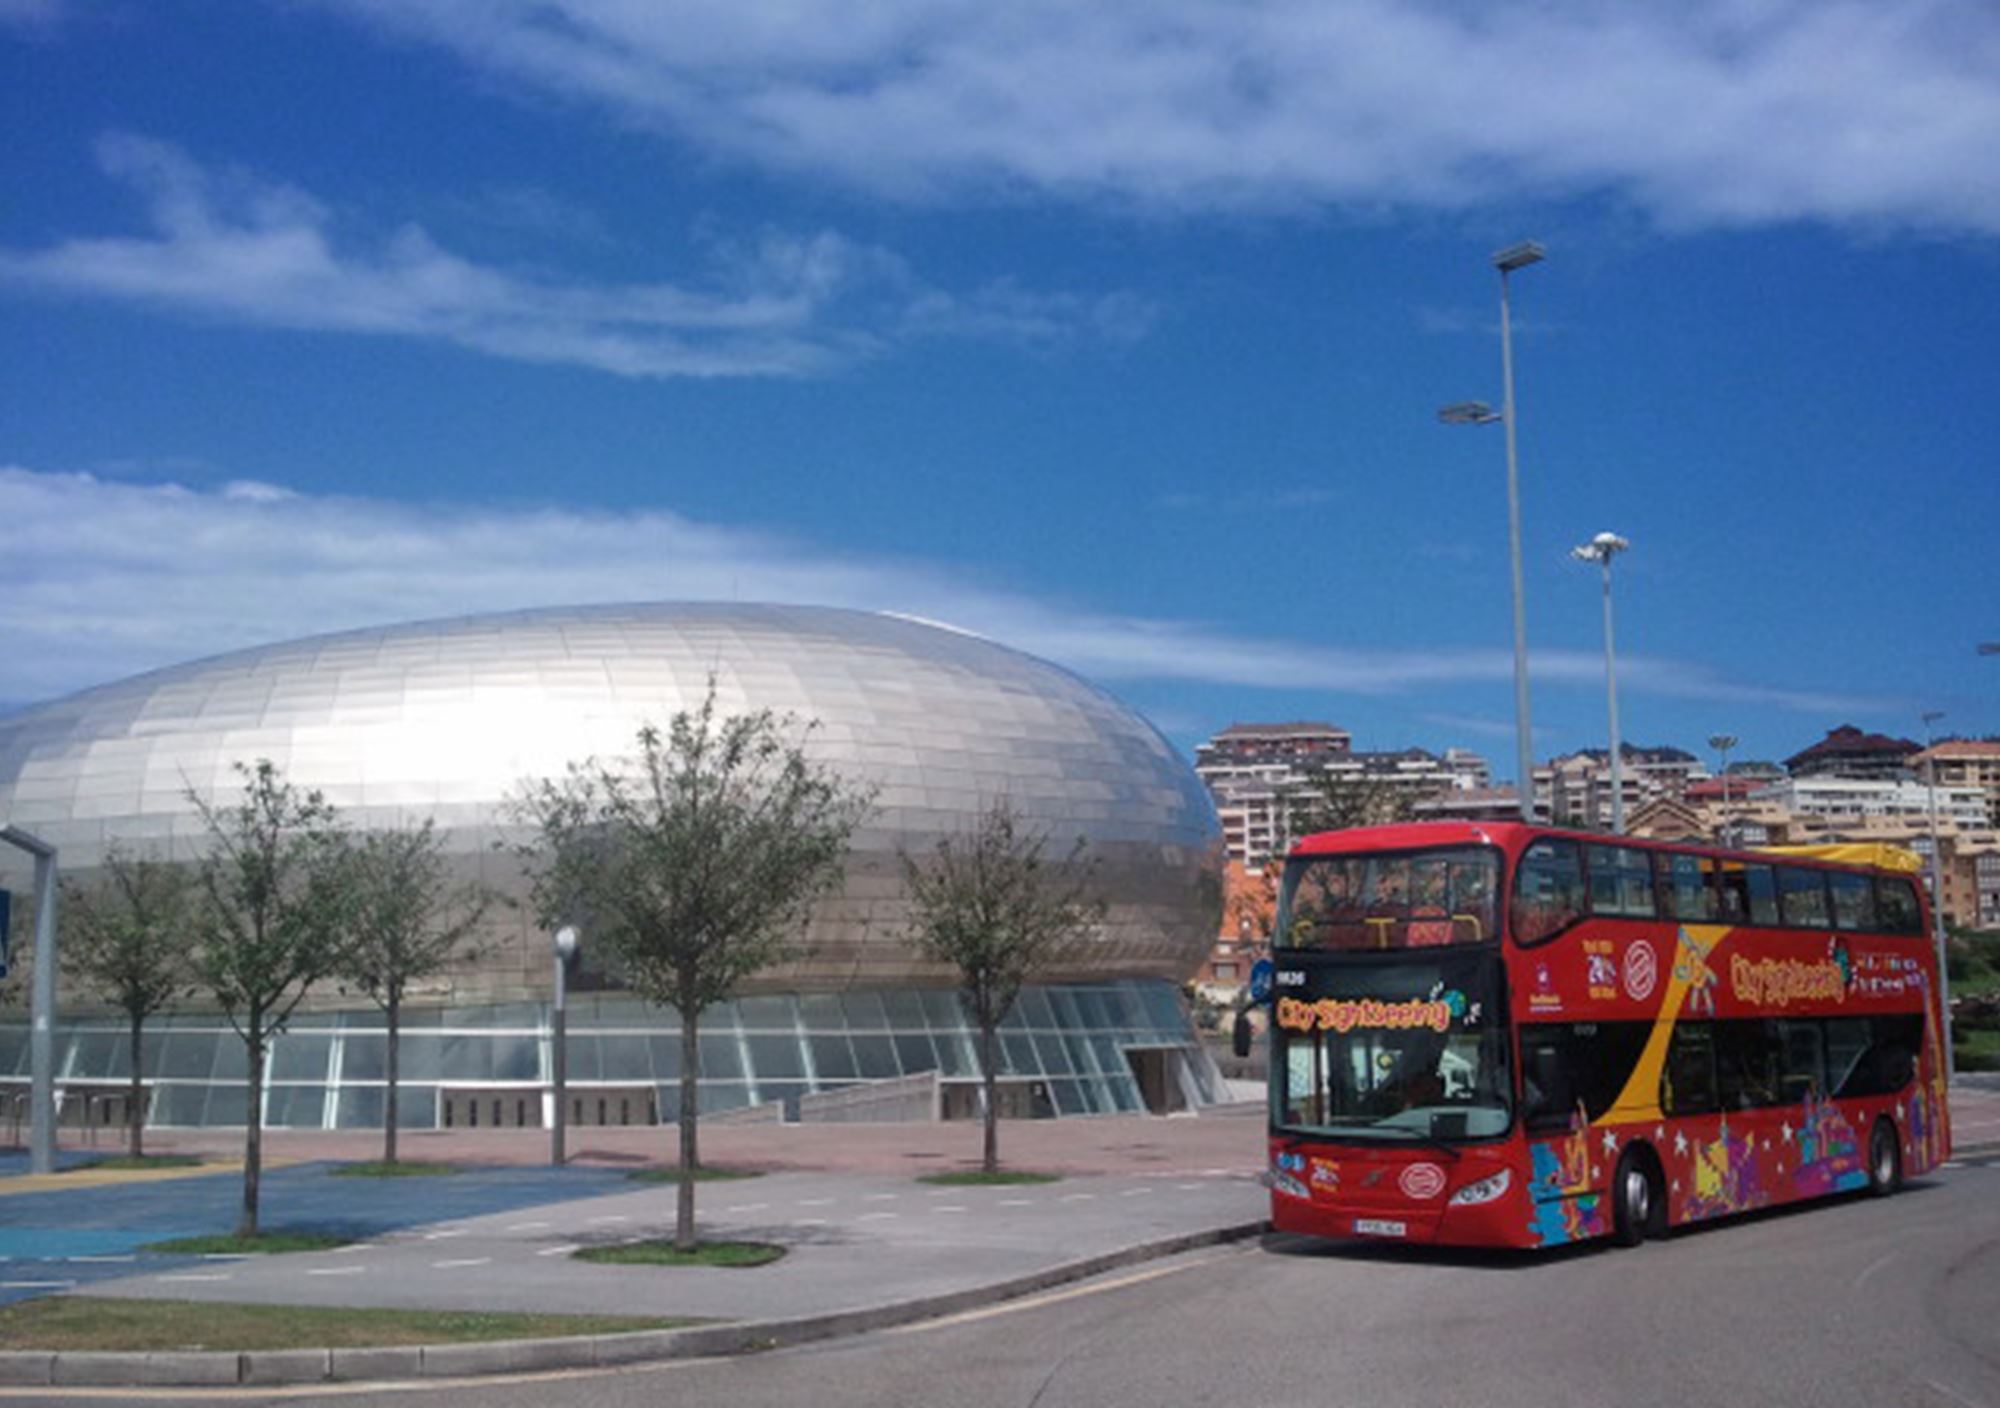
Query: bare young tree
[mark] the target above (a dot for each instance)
(126, 936)
(992, 906)
(695, 865)
(406, 922)
(268, 925)
(1337, 801)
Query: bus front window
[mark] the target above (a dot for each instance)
(1401, 1051)
(1411, 899)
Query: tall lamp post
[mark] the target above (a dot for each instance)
(1722, 743)
(1600, 550)
(1938, 936)
(1514, 257)
(565, 946)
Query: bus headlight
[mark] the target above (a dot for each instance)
(1484, 1191)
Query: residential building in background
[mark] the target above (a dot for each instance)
(1848, 752)
(1964, 762)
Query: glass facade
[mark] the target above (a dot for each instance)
(1072, 1042)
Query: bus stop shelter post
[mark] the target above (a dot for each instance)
(42, 1004)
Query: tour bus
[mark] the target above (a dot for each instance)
(1495, 1034)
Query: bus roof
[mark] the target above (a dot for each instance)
(1513, 835)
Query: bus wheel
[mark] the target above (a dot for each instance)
(1885, 1160)
(1634, 1200)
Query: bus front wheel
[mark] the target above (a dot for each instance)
(1635, 1199)
(1885, 1160)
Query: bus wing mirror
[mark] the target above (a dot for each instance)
(1240, 1034)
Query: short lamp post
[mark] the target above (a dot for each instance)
(1722, 743)
(1600, 550)
(565, 951)
(41, 1003)
(1938, 935)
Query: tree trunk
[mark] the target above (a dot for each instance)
(253, 1127)
(690, 1107)
(135, 1114)
(394, 1010)
(988, 1040)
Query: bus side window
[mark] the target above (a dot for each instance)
(1896, 905)
(1687, 888)
(1732, 892)
(1746, 1060)
(1687, 1084)
(1545, 1093)
(1548, 890)
(1763, 889)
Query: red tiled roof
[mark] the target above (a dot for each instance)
(1848, 740)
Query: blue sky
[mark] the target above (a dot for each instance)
(1113, 332)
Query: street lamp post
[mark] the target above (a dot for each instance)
(1507, 261)
(41, 1003)
(1722, 743)
(1600, 550)
(565, 949)
(1938, 936)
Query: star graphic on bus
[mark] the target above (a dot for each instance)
(1610, 1142)
(1680, 1142)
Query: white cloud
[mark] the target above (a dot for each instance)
(1711, 112)
(230, 246)
(108, 579)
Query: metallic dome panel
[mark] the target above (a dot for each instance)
(448, 718)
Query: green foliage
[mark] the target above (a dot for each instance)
(383, 1168)
(979, 1178)
(125, 935)
(251, 1244)
(269, 922)
(696, 864)
(405, 920)
(992, 906)
(665, 1253)
(66, 1323)
(1337, 801)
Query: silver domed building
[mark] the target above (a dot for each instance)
(447, 720)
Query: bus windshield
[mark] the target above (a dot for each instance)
(1408, 1049)
(1406, 899)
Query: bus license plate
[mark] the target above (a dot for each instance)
(1376, 1227)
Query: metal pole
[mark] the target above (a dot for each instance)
(1522, 727)
(1611, 692)
(559, 1034)
(1938, 935)
(41, 1004)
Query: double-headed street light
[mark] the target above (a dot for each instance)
(1600, 550)
(1722, 743)
(1507, 261)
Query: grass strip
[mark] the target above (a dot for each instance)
(228, 1243)
(977, 1178)
(101, 1323)
(705, 1173)
(125, 1162)
(400, 1169)
(662, 1252)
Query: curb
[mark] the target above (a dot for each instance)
(221, 1369)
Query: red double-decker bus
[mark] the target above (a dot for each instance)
(1506, 1035)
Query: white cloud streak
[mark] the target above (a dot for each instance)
(232, 247)
(106, 579)
(1708, 113)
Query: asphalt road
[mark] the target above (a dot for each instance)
(1858, 1302)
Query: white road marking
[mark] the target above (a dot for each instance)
(557, 1251)
(611, 1217)
(1186, 1187)
(810, 1222)
(1135, 1192)
(1076, 1197)
(950, 1207)
(747, 1207)
(101, 1259)
(876, 1216)
(224, 1256)
(335, 1270)
(882, 1197)
(815, 1202)
(527, 1227)
(36, 1285)
(1051, 1298)
(460, 1261)
(1017, 1202)
(1872, 1267)
(447, 1232)
(356, 1247)
(196, 1276)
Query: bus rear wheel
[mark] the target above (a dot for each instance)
(1885, 1159)
(1635, 1199)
